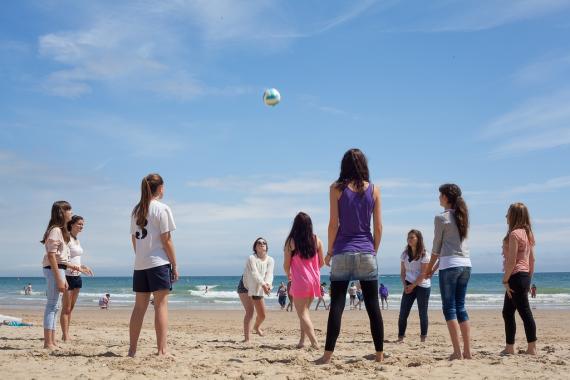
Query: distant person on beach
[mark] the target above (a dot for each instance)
(450, 248)
(352, 247)
(383, 292)
(206, 289)
(533, 291)
(322, 297)
(302, 262)
(256, 282)
(282, 295)
(28, 289)
(352, 295)
(74, 226)
(359, 297)
(155, 267)
(104, 301)
(289, 296)
(55, 262)
(518, 265)
(413, 274)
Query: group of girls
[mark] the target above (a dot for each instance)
(354, 236)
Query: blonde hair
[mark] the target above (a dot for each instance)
(519, 217)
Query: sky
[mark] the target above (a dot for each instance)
(95, 95)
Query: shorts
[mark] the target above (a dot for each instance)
(241, 289)
(352, 266)
(74, 282)
(256, 297)
(152, 279)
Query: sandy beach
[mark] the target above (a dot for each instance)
(206, 344)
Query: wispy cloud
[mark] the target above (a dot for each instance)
(542, 71)
(539, 123)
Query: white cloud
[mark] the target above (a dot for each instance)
(545, 70)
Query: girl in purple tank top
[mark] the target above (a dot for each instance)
(352, 247)
(303, 259)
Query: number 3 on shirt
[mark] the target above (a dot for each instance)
(142, 235)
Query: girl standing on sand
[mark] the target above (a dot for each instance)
(73, 278)
(352, 247)
(303, 259)
(155, 261)
(450, 249)
(256, 282)
(413, 267)
(54, 263)
(518, 265)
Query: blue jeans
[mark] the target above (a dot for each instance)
(453, 287)
(422, 295)
(52, 305)
(353, 266)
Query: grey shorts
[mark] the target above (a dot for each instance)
(352, 266)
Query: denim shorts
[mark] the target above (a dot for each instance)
(354, 266)
(453, 288)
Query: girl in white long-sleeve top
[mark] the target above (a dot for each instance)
(257, 281)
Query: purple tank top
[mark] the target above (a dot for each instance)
(355, 213)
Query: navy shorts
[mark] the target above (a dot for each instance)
(152, 279)
(74, 282)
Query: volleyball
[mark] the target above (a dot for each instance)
(271, 97)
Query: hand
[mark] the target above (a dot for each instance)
(174, 274)
(409, 288)
(328, 260)
(508, 290)
(86, 270)
(429, 274)
(266, 288)
(61, 285)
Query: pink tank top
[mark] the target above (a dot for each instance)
(305, 276)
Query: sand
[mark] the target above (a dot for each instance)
(206, 344)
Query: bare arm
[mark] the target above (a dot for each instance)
(59, 281)
(287, 259)
(134, 241)
(168, 245)
(377, 218)
(510, 260)
(432, 265)
(531, 260)
(320, 253)
(333, 221)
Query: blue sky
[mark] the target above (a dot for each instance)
(95, 95)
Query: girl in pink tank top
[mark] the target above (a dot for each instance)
(303, 258)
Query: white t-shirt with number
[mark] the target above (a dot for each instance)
(149, 252)
(414, 269)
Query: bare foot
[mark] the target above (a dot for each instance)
(245, 341)
(423, 338)
(455, 356)
(51, 347)
(379, 357)
(315, 346)
(400, 339)
(300, 345)
(325, 359)
(530, 351)
(258, 331)
(467, 355)
(132, 352)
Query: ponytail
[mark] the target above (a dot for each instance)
(149, 188)
(453, 194)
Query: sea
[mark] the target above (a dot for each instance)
(485, 291)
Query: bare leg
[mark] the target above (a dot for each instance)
(302, 306)
(161, 320)
(137, 317)
(453, 327)
(69, 300)
(260, 317)
(466, 334)
(247, 303)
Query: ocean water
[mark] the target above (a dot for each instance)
(484, 291)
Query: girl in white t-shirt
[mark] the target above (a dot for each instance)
(155, 260)
(417, 285)
(73, 277)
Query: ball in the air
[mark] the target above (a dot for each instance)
(271, 97)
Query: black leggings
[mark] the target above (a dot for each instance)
(338, 301)
(520, 284)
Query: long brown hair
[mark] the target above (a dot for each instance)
(453, 194)
(302, 235)
(353, 169)
(420, 248)
(57, 219)
(519, 217)
(149, 188)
